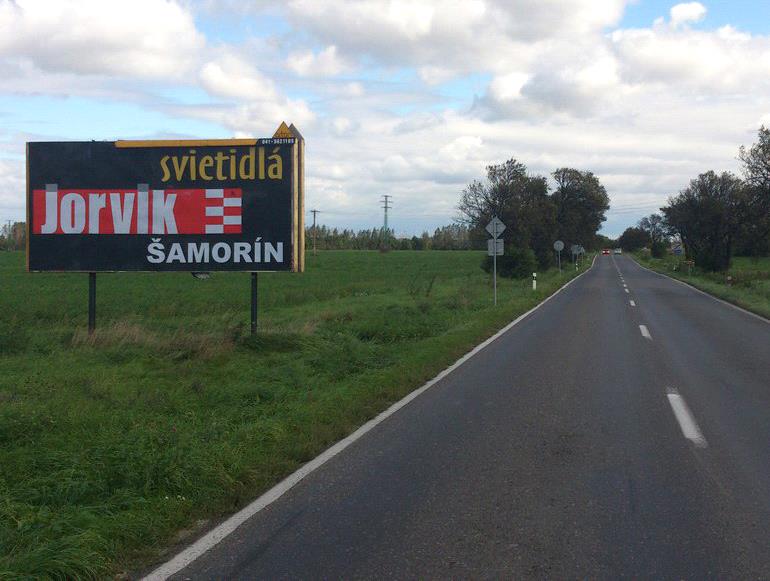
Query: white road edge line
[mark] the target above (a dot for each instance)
(632, 303)
(645, 332)
(625, 289)
(704, 293)
(220, 532)
(687, 423)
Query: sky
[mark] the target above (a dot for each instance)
(407, 98)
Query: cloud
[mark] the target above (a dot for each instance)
(141, 38)
(12, 202)
(711, 62)
(687, 12)
(325, 63)
(447, 37)
(230, 76)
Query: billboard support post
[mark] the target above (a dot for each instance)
(254, 290)
(91, 302)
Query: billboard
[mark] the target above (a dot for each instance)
(216, 205)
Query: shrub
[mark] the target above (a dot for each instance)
(658, 249)
(515, 263)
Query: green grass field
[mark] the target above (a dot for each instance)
(749, 286)
(115, 446)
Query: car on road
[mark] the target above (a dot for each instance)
(606, 251)
(618, 251)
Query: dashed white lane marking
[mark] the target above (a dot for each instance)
(687, 423)
(645, 332)
(625, 289)
(632, 303)
(624, 285)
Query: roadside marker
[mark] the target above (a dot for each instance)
(690, 429)
(645, 332)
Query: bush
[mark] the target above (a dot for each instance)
(658, 249)
(515, 263)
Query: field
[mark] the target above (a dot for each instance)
(748, 285)
(115, 446)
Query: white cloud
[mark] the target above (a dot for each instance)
(232, 77)
(712, 62)
(687, 12)
(449, 35)
(12, 188)
(325, 63)
(141, 38)
(255, 118)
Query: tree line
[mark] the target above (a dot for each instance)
(716, 216)
(450, 237)
(13, 236)
(535, 217)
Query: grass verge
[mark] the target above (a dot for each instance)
(117, 445)
(746, 284)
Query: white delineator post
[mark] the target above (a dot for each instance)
(534, 281)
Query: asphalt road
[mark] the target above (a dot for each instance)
(573, 446)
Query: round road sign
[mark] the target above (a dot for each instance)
(558, 246)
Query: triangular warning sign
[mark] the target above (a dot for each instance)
(283, 131)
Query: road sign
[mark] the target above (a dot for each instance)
(558, 246)
(495, 227)
(575, 249)
(678, 250)
(495, 247)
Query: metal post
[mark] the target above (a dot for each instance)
(91, 302)
(315, 212)
(558, 258)
(494, 258)
(254, 303)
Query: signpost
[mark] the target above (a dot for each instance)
(181, 205)
(495, 228)
(558, 246)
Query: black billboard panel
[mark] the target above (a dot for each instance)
(220, 205)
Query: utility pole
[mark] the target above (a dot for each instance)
(8, 236)
(387, 204)
(314, 212)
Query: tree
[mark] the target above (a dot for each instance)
(13, 236)
(753, 238)
(633, 239)
(581, 202)
(707, 215)
(521, 201)
(602, 241)
(655, 228)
